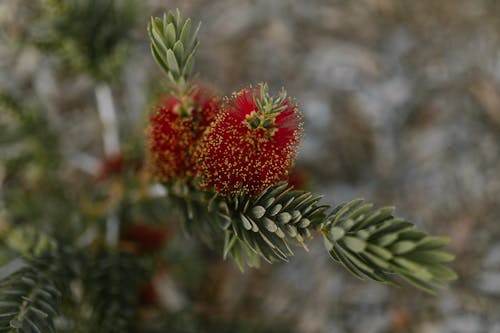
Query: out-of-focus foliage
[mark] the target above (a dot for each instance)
(89, 35)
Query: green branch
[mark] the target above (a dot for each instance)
(373, 243)
(369, 243)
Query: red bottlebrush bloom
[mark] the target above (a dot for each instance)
(252, 143)
(145, 238)
(174, 129)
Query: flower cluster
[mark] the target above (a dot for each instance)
(175, 127)
(243, 145)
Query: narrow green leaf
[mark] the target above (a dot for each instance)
(304, 223)
(170, 18)
(345, 208)
(346, 224)
(186, 28)
(246, 223)
(346, 263)
(170, 37)
(178, 17)
(159, 59)
(280, 233)
(290, 230)
(376, 217)
(442, 272)
(194, 38)
(229, 241)
(296, 216)
(275, 209)
(172, 62)
(258, 211)
(418, 283)
(179, 52)
(412, 234)
(255, 227)
(358, 263)
(386, 240)
(157, 39)
(417, 270)
(376, 260)
(354, 244)
(392, 225)
(33, 325)
(430, 243)
(188, 65)
(337, 233)
(284, 217)
(431, 256)
(39, 313)
(269, 224)
(363, 234)
(271, 244)
(403, 247)
(359, 211)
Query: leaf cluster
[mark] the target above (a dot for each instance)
(174, 45)
(368, 242)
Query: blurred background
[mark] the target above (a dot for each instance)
(401, 101)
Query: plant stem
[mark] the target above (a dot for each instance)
(111, 140)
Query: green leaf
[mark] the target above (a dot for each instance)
(172, 62)
(179, 52)
(430, 243)
(170, 36)
(403, 247)
(354, 244)
(442, 272)
(337, 233)
(186, 28)
(431, 256)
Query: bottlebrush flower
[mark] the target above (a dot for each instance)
(251, 144)
(174, 129)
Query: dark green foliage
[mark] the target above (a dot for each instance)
(112, 288)
(31, 297)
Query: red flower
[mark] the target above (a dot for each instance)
(145, 238)
(251, 144)
(174, 129)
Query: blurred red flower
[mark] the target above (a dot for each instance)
(174, 129)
